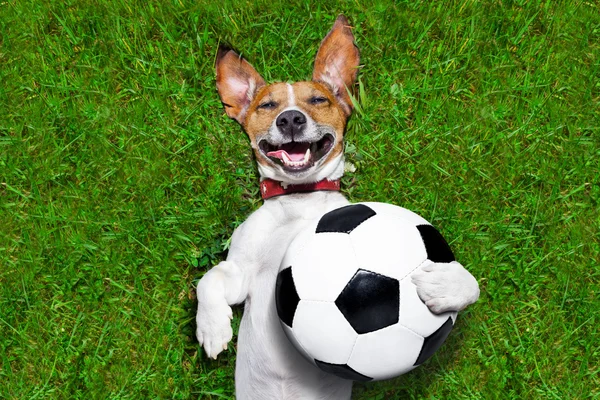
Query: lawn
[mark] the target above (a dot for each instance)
(122, 179)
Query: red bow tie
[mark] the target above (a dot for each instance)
(271, 188)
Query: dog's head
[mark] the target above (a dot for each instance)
(296, 129)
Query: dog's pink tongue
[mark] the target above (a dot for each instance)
(277, 154)
(294, 151)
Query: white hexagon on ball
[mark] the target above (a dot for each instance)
(327, 263)
(323, 331)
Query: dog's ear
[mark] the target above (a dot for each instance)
(237, 83)
(337, 62)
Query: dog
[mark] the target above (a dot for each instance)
(296, 131)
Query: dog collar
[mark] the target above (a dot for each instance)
(271, 188)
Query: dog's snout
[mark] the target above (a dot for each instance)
(291, 122)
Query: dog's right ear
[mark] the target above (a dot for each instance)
(337, 62)
(237, 83)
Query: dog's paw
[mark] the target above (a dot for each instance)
(445, 287)
(213, 328)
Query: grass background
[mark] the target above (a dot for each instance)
(121, 180)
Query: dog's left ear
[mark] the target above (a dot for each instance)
(337, 62)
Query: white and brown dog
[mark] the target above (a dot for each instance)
(297, 132)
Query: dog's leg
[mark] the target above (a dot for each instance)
(446, 287)
(221, 287)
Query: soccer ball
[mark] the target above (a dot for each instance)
(344, 293)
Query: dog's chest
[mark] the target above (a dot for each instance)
(282, 232)
(288, 216)
(273, 227)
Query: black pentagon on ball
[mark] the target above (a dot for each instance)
(436, 246)
(434, 341)
(343, 371)
(370, 301)
(344, 219)
(286, 296)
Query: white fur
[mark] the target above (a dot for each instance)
(332, 170)
(446, 287)
(291, 97)
(268, 366)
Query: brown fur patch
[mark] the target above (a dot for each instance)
(237, 83)
(259, 119)
(327, 113)
(337, 62)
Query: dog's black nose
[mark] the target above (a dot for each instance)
(290, 123)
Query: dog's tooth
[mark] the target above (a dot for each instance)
(286, 158)
(306, 156)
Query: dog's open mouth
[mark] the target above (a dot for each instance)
(297, 156)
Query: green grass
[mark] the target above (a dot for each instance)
(121, 180)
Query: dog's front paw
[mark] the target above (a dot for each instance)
(213, 328)
(446, 287)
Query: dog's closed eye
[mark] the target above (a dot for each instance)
(269, 105)
(318, 100)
